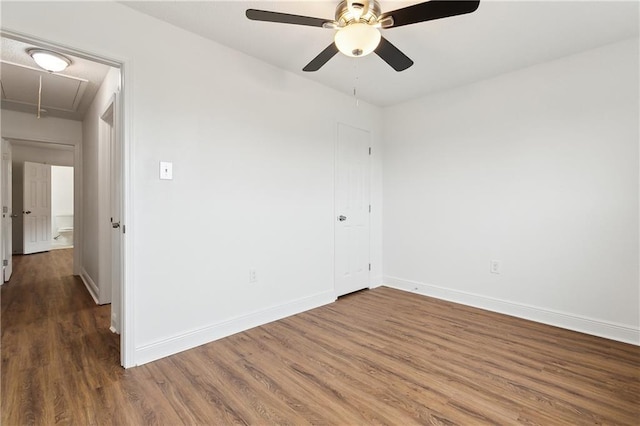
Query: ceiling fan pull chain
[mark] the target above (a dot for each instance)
(355, 90)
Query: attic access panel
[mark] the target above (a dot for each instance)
(20, 85)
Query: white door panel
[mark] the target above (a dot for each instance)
(352, 210)
(115, 188)
(37, 207)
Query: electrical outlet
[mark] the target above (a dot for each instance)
(494, 267)
(253, 277)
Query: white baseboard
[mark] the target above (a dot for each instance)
(191, 339)
(115, 324)
(90, 285)
(608, 330)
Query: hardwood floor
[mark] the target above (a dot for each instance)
(375, 357)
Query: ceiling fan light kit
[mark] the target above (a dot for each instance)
(357, 39)
(48, 60)
(358, 24)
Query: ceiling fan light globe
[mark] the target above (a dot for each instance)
(357, 39)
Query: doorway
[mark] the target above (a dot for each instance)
(83, 227)
(61, 207)
(32, 226)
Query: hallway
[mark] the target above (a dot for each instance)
(56, 344)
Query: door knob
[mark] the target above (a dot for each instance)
(27, 212)
(14, 215)
(342, 218)
(115, 225)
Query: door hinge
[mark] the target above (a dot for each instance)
(369, 266)
(5, 262)
(124, 229)
(369, 208)
(369, 150)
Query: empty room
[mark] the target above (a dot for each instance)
(328, 212)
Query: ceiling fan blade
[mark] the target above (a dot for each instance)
(392, 55)
(322, 58)
(284, 18)
(430, 10)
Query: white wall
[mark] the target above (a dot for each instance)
(252, 148)
(58, 157)
(61, 190)
(537, 169)
(61, 195)
(20, 125)
(95, 167)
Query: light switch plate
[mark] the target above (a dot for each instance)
(166, 170)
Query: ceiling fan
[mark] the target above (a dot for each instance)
(358, 22)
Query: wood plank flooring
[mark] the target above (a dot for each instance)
(375, 357)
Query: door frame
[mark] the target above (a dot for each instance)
(16, 140)
(6, 227)
(124, 133)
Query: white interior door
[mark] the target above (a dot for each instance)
(352, 210)
(115, 167)
(7, 212)
(37, 207)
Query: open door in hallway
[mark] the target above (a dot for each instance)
(37, 207)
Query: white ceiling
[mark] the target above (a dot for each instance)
(501, 36)
(67, 94)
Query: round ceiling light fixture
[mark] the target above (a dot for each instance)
(357, 39)
(48, 60)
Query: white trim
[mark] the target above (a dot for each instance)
(78, 218)
(90, 285)
(609, 330)
(127, 294)
(197, 337)
(60, 48)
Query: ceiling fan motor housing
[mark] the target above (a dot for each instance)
(352, 11)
